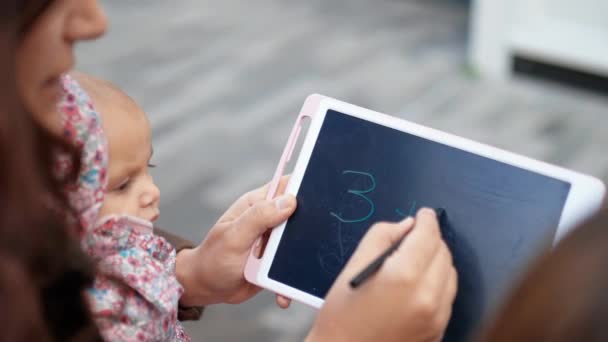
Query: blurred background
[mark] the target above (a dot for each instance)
(222, 82)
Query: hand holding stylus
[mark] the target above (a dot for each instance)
(410, 296)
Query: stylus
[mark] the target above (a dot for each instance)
(377, 263)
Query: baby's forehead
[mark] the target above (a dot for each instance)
(118, 108)
(124, 122)
(108, 99)
(119, 112)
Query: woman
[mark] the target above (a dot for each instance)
(21, 316)
(564, 296)
(415, 287)
(42, 270)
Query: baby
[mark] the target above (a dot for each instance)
(130, 189)
(135, 295)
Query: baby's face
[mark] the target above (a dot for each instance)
(131, 189)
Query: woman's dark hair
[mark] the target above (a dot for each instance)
(36, 247)
(564, 296)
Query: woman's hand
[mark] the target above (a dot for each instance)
(213, 271)
(409, 299)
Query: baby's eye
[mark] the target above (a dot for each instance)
(150, 165)
(124, 185)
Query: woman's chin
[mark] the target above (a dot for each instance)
(42, 105)
(52, 90)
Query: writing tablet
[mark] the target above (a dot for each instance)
(358, 167)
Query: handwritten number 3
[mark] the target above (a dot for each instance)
(361, 194)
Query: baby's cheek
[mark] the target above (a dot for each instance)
(114, 205)
(106, 208)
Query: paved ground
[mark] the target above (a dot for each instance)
(223, 80)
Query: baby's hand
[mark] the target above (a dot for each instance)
(213, 271)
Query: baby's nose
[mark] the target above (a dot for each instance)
(150, 196)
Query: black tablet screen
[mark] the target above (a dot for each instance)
(360, 173)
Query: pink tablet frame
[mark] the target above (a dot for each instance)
(308, 110)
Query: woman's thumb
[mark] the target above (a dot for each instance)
(263, 215)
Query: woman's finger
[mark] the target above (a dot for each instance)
(259, 218)
(447, 300)
(375, 242)
(420, 246)
(283, 302)
(252, 197)
(438, 273)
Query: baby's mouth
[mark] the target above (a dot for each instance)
(155, 216)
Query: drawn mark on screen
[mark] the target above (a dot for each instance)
(331, 263)
(361, 194)
(333, 254)
(340, 241)
(411, 212)
(331, 259)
